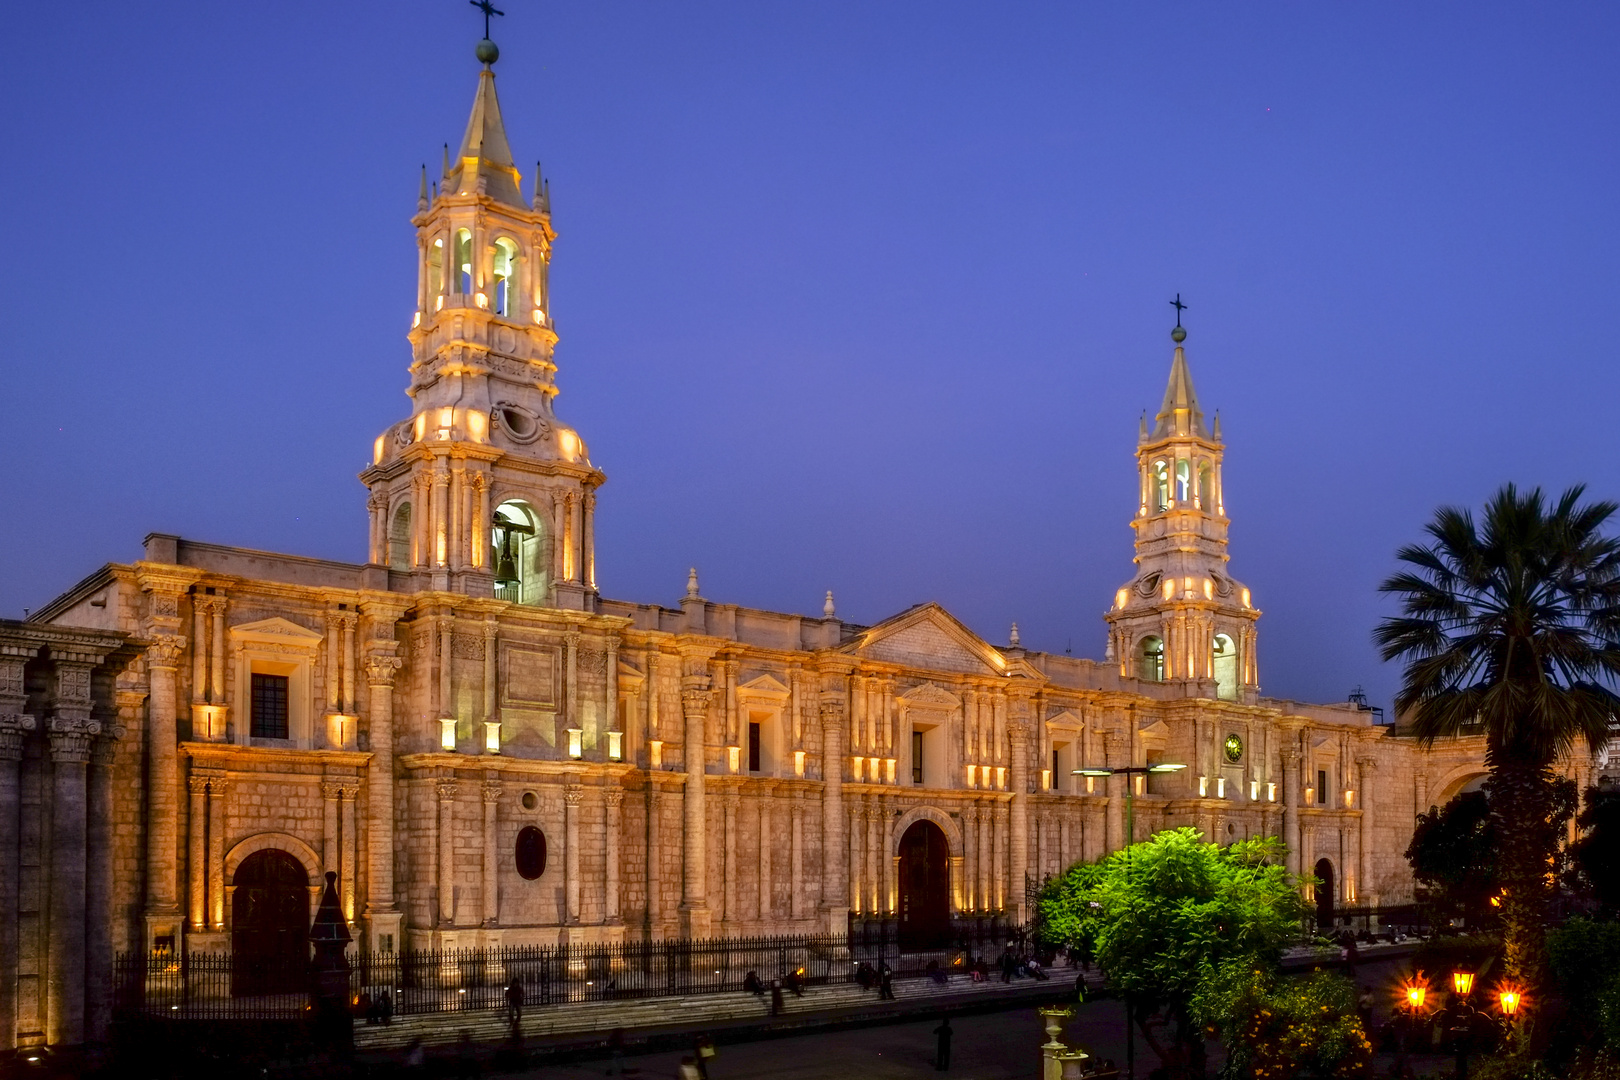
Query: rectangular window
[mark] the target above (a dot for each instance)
(1056, 773)
(1321, 786)
(269, 706)
(916, 757)
(753, 747)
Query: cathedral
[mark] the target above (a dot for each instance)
(486, 751)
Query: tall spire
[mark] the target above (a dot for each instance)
(1180, 414)
(484, 164)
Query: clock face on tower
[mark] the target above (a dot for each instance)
(1234, 749)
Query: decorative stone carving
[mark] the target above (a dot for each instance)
(447, 790)
(380, 670)
(165, 651)
(493, 790)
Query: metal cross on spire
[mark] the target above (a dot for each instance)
(1179, 306)
(488, 9)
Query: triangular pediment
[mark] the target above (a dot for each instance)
(929, 696)
(277, 629)
(928, 637)
(765, 683)
(1155, 729)
(1065, 719)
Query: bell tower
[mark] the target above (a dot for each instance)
(1183, 618)
(482, 490)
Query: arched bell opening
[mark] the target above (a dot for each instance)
(1225, 665)
(516, 542)
(1150, 659)
(399, 539)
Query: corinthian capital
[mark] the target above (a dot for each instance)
(380, 669)
(832, 709)
(165, 651)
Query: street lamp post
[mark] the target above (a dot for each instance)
(1128, 771)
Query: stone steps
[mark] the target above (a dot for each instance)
(595, 1019)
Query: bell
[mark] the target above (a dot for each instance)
(506, 567)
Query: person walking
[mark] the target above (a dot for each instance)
(514, 1004)
(886, 983)
(942, 1053)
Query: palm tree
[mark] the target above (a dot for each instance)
(1509, 630)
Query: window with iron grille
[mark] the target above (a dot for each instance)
(269, 706)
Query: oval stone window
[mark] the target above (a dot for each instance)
(531, 853)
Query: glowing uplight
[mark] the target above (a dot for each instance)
(1120, 598)
(734, 758)
(539, 317)
(576, 742)
(447, 733)
(1169, 589)
(481, 299)
(615, 746)
(492, 736)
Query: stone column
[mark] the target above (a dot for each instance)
(695, 694)
(833, 904)
(764, 857)
(216, 854)
(447, 852)
(856, 828)
(655, 848)
(351, 699)
(349, 847)
(614, 798)
(70, 754)
(1290, 793)
(481, 519)
(986, 856)
(439, 537)
(98, 913)
(1366, 894)
(492, 790)
(970, 861)
(1018, 778)
(162, 785)
(13, 724)
(199, 651)
(382, 918)
(334, 675)
(197, 861)
(571, 679)
(796, 857)
(728, 871)
(588, 543)
(1114, 748)
(874, 857)
(331, 861)
(573, 796)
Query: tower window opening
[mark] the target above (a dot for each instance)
(399, 539)
(1224, 661)
(435, 268)
(1206, 487)
(505, 277)
(1161, 486)
(516, 544)
(464, 262)
(1183, 481)
(1150, 660)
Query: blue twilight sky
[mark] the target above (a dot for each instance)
(854, 296)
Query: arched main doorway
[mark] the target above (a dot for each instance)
(1324, 897)
(270, 924)
(925, 887)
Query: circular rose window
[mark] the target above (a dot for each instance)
(531, 853)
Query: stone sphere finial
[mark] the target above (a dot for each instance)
(487, 52)
(1178, 335)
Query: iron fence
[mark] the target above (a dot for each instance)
(219, 986)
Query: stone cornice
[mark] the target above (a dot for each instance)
(513, 767)
(227, 756)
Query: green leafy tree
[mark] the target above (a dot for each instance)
(1508, 628)
(1453, 858)
(1163, 916)
(1280, 1028)
(1596, 855)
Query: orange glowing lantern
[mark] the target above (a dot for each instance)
(1462, 982)
(1415, 996)
(1509, 998)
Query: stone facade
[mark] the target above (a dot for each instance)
(697, 769)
